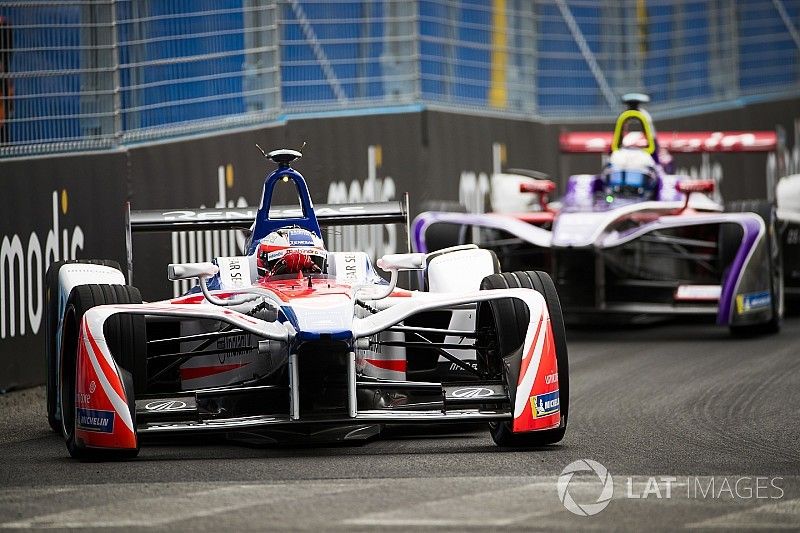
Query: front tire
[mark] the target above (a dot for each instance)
(509, 319)
(51, 316)
(126, 338)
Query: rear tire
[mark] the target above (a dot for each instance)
(126, 338)
(51, 330)
(766, 210)
(510, 319)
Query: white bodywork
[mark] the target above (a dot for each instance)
(462, 270)
(506, 196)
(787, 194)
(450, 273)
(73, 274)
(339, 312)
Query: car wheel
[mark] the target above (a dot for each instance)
(766, 210)
(126, 338)
(509, 319)
(51, 330)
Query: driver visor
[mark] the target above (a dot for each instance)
(630, 178)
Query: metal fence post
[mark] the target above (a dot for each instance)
(116, 82)
(416, 56)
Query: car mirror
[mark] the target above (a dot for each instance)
(538, 186)
(690, 186)
(176, 271)
(412, 261)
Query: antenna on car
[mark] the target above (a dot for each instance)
(262, 151)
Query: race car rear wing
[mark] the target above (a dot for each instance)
(241, 218)
(591, 142)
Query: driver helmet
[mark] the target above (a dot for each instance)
(290, 250)
(630, 172)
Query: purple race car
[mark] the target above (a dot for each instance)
(636, 240)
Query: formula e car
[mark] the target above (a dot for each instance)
(635, 241)
(280, 344)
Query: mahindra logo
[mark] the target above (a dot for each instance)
(165, 405)
(472, 392)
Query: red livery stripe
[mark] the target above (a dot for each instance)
(398, 365)
(205, 371)
(110, 373)
(527, 361)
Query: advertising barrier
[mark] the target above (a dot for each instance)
(73, 206)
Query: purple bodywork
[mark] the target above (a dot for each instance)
(575, 202)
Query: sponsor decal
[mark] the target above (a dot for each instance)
(92, 387)
(165, 405)
(352, 270)
(191, 246)
(753, 301)
(472, 392)
(83, 398)
(300, 238)
(95, 420)
(793, 236)
(455, 367)
(22, 269)
(545, 404)
(234, 272)
(549, 379)
(236, 346)
(375, 240)
(277, 254)
(698, 292)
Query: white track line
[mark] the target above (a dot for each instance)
(778, 515)
(166, 509)
(491, 508)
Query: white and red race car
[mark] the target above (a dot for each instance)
(329, 355)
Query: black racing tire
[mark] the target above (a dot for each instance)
(766, 210)
(442, 235)
(51, 330)
(126, 336)
(509, 319)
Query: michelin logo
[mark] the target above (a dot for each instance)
(545, 404)
(753, 301)
(94, 420)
